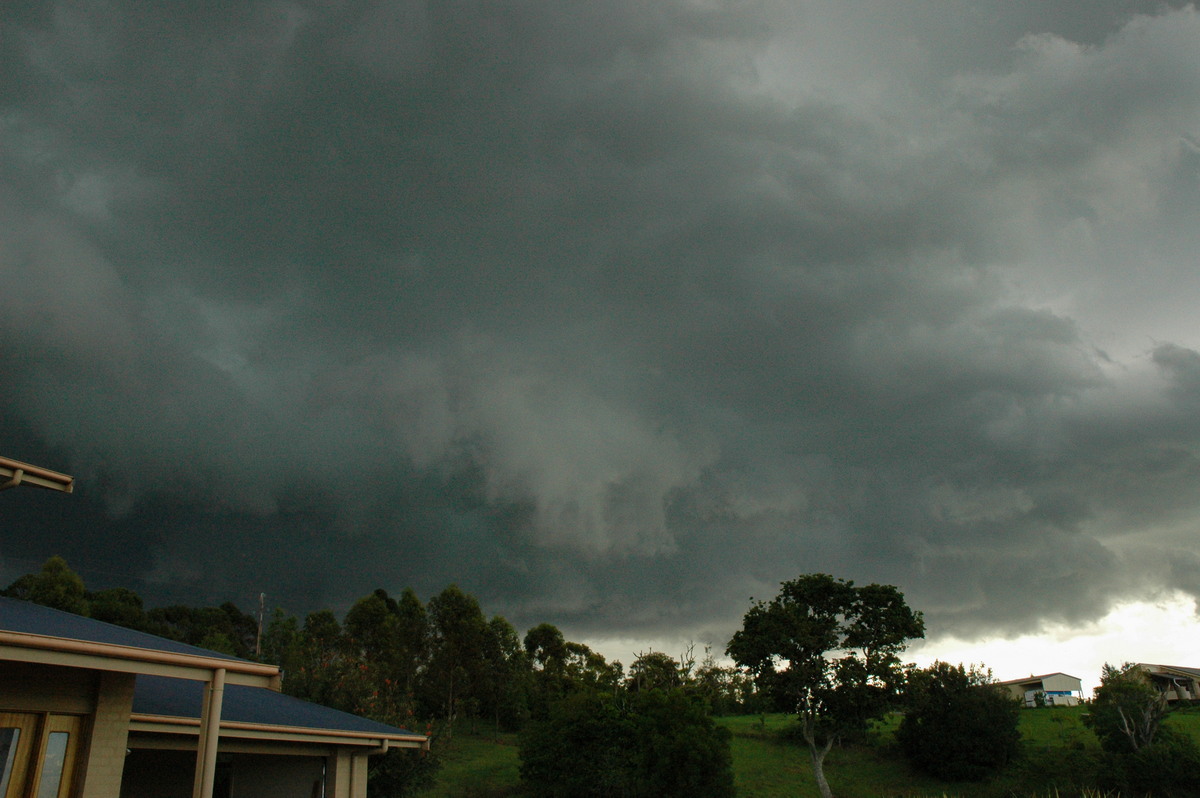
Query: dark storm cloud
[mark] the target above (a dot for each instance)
(615, 314)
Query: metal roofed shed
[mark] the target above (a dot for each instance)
(1055, 689)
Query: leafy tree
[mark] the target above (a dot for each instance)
(225, 625)
(720, 685)
(372, 638)
(589, 670)
(283, 645)
(958, 724)
(583, 748)
(325, 674)
(830, 650)
(654, 671)
(544, 644)
(562, 667)
(119, 606)
(371, 627)
(456, 662)
(55, 585)
(1142, 755)
(1169, 767)
(1127, 711)
(504, 687)
(659, 744)
(682, 752)
(412, 647)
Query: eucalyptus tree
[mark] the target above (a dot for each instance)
(457, 635)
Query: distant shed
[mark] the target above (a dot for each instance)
(1056, 689)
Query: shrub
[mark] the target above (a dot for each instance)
(681, 751)
(398, 773)
(584, 748)
(653, 743)
(1167, 768)
(957, 726)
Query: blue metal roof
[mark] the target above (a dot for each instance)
(182, 698)
(30, 618)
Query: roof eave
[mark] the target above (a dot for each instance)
(169, 724)
(71, 652)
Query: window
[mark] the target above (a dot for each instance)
(9, 738)
(37, 754)
(54, 761)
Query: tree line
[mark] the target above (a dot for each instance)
(824, 649)
(426, 666)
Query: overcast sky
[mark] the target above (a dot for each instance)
(614, 313)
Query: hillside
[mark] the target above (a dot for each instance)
(770, 763)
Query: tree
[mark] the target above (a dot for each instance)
(282, 643)
(544, 643)
(504, 690)
(1143, 756)
(583, 748)
(958, 725)
(722, 686)
(225, 627)
(373, 642)
(681, 751)
(653, 671)
(413, 645)
(119, 606)
(325, 672)
(1127, 711)
(55, 585)
(830, 650)
(561, 668)
(456, 663)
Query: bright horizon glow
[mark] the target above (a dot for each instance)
(1160, 632)
(1157, 632)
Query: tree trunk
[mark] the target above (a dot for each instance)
(818, 765)
(450, 709)
(817, 754)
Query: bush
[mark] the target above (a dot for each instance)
(957, 725)
(1167, 768)
(681, 751)
(398, 773)
(653, 743)
(583, 748)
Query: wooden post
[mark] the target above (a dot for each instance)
(210, 735)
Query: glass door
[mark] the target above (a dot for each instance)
(60, 744)
(37, 754)
(18, 733)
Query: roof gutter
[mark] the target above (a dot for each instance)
(270, 728)
(19, 473)
(68, 645)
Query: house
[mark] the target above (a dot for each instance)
(1175, 682)
(92, 710)
(1055, 689)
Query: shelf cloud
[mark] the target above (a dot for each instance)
(615, 314)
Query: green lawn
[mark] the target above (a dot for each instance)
(768, 763)
(477, 765)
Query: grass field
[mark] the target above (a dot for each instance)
(769, 763)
